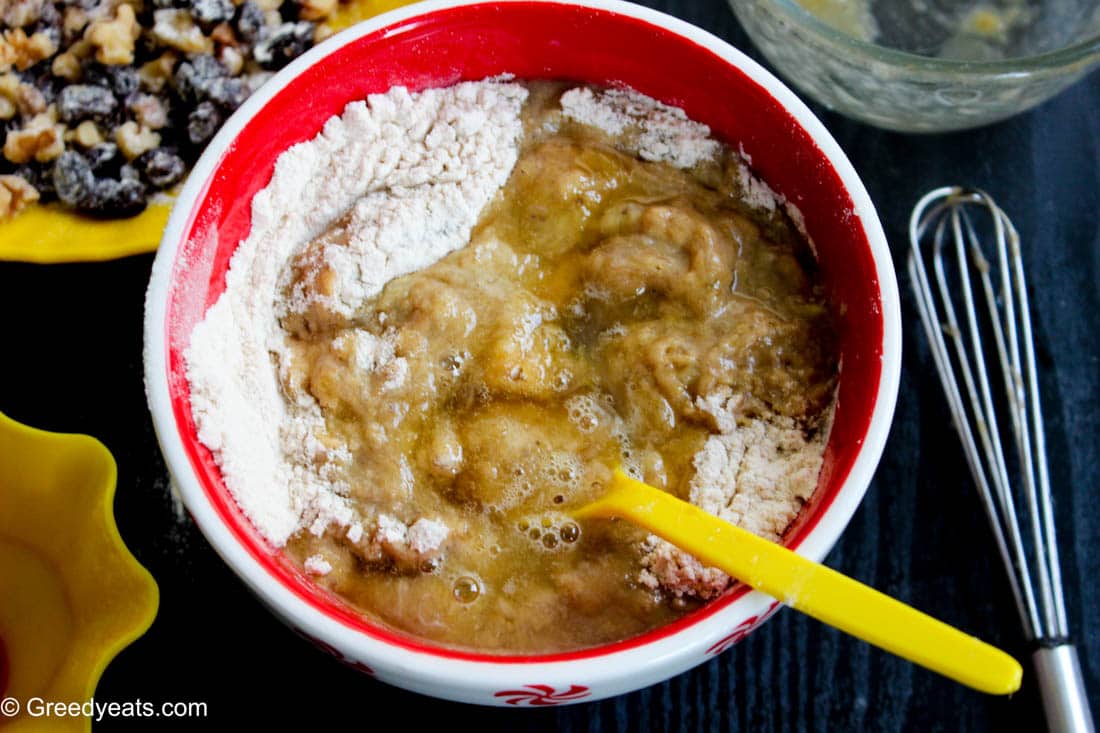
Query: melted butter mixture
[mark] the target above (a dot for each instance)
(600, 298)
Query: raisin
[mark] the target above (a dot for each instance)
(120, 79)
(49, 85)
(104, 159)
(48, 17)
(209, 13)
(250, 25)
(194, 78)
(286, 43)
(78, 102)
(203, 122)
(73, 179)
(229, 92)
(116, 198)
(203, 79)
(41, 177)
(160, 167)
(147, 47)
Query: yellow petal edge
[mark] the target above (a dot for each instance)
(72, 596)
(50, 234)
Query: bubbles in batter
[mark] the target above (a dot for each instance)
(550, 531)
(466, 589)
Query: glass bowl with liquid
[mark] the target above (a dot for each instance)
(926, 65)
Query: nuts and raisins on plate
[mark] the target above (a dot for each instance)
(105, 102)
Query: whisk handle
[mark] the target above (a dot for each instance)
(1062, 687)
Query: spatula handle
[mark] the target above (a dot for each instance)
(811, 588)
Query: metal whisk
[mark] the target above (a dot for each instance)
(975, 309)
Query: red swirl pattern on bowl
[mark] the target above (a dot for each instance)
(543, 695)
(743, 629)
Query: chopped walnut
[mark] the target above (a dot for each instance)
(9, 95)
(321, 32)
(9, 86)
(134, 139)
(156, 73)
(20, 13)
(82, 49)
(149, 111)
(176, 29)
(22, 51)
(30, 100)
(114, 39)
(231, 59)
(15, 195)
(18, 96)
(223, 34)
(86, 134)
(39, 46)
(66, 66)
(42, 140)
(74, 21)
(315, 9)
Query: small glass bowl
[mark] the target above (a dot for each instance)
(963, 64)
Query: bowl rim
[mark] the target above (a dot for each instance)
(1062, 58)
(615, 670)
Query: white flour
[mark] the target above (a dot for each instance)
(755, 473)
(415, 171)
(407, 175)
(654, 130)
(317, 565)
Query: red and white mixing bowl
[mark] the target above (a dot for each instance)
(597, 41)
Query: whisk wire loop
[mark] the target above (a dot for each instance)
(972, 260)
(974, 419)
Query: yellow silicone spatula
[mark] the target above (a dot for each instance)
(813, 589)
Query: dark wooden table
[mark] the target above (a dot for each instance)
(72, 362)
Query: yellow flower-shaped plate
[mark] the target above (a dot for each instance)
(71, 595)
(52, 234)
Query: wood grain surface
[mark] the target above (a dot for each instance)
(71, 361)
